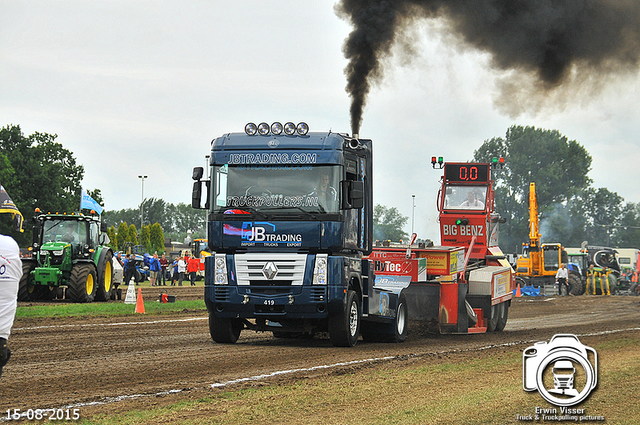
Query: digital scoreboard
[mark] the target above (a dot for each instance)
(466, 172)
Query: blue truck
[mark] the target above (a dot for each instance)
(290, 220)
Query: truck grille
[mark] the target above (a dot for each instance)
(221, 293)
(319, 294)
(253, 269)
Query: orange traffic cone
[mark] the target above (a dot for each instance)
(139, 302)
(518, 294)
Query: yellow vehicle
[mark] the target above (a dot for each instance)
(539, 263)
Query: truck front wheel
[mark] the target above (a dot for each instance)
(344, 327)
(224, 330)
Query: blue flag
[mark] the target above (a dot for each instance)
(89, 203)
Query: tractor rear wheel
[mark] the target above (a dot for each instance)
(575, 285)
(82, 283)
(27, 291)
(105, 277)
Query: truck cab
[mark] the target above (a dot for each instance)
(289, 219)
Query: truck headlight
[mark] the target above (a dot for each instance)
(58, 253)
(220, 271)
(320, 270)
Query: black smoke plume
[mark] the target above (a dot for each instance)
(551, 44)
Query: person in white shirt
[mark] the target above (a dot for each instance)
(10, 274)
(182, 267)
(561, 280)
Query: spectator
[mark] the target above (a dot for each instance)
(164, 263)
(129, 268)
(561, 279)
(119, 259)
(182, 267)
(174, 276)
(154, 269)
(10, 275)
(192, 268)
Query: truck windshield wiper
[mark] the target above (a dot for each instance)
(309, 214)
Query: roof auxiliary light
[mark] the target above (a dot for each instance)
(289, 129)
(302, 128)
(251, 129)
(263, 129)
(276, 128)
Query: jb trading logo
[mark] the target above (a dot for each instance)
(564, 371)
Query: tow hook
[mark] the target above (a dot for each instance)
(246, 299)
(290, 299)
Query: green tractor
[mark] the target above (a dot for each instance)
(68, 252)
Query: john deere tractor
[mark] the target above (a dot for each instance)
(69, 259)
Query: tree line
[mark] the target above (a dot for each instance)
(570, 209)
(37, 171)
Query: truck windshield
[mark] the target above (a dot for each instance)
(464, 197)
(267, 188)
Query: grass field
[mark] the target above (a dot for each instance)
(106, 309)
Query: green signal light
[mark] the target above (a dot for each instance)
(458, 222)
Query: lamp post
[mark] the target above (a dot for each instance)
(413, 198)
(142, 200)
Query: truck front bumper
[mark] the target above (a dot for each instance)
(300, 302)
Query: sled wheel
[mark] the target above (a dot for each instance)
(496, 312)
(504, 316)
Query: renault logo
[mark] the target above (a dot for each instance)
(270, 270)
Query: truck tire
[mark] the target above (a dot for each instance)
(504, 316)
(401, 322)
(82, 283)
(224, 330)
(635, 289)
(105, 278)
(344, 326)
(27, 291)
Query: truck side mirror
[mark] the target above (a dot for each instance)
(356, 197)
(196, 195)
(198, 172)
(352, 194)
(103, 227)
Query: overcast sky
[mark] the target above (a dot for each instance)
(142, 87)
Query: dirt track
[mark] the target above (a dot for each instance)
(59, 363)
